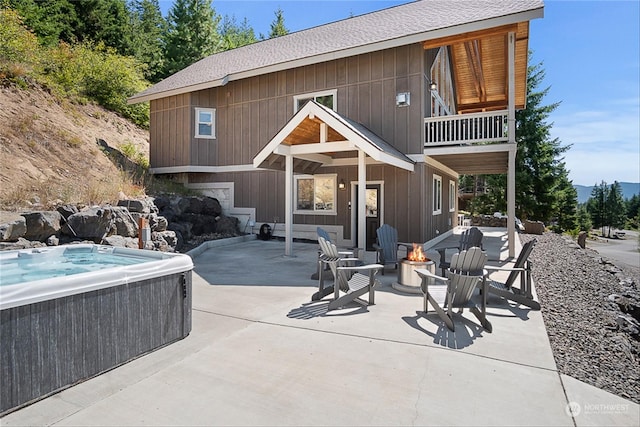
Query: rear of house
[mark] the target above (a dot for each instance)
(388, 108)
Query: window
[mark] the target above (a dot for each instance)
(452, 196)
(437, 194)
(315, 194)
(327, 98)
(205, 123)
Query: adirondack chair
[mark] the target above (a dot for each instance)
(468, 239)
(347, 253)
(353, 280)
(457, 288)
(521, 267)
(387, 246)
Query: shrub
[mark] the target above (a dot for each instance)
(98, 73)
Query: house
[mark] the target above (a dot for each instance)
(352, 124)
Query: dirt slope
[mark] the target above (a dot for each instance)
(49, 154)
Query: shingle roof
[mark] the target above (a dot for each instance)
(386, 28)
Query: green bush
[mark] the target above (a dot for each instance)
(99, 74)
(18, 47)
(81, 72)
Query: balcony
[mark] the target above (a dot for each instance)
(466, 129)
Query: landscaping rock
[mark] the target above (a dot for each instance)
(533, 227)
(590, 311)
(13, 230)
(124, 222)
(40, 225)
(92, 224)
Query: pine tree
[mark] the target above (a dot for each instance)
(233, 35)
(615, 207)
(191, 34)
(105, 21)
(148, 28)
(596, 205)
(567, 205)
(50, 21)
(540, 172)
(277, 25)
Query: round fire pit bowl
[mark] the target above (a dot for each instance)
(408, 281)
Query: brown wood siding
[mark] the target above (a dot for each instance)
(170, 131)
(251, 111)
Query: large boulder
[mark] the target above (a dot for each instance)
(227, 225)
(40, 225)
(124, 222)
(92, 224)
(533, 227)
(12, 231)
(144, 206)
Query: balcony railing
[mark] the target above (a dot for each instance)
(466, 128)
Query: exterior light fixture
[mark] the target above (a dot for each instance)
(342, 185)
(403, 99)
(433, 86)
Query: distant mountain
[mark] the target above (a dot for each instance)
(628, 190)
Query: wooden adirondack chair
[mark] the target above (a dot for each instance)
(468, 239)
(387, 246)
(353, 280)
(457, 288)
(521, 267)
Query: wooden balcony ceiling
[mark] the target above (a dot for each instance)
(480, 67)
(476, 163)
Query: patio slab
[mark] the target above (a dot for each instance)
(261, 353)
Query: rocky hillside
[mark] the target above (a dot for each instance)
(49, 152)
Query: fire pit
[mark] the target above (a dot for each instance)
(408, 281)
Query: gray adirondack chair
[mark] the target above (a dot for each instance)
(468, 239)
(353, 280)
(458, 287)
(387, 246)
(522, 268)
(348, 253)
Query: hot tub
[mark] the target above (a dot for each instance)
(69, 313)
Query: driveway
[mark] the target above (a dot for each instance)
(623, 251)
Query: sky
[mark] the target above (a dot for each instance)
(590, 51)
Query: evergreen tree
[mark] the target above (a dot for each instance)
(191, 34)
(567, 204)
(148, 28)
(540, 172)
(596, 205)
(50, 21)
(277, 25)
(233, 35)
(583, 219)
(615, 207)
(105, 21)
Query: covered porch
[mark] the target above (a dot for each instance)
(317, 136)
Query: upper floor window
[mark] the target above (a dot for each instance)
(315, 194)
(437, 194)
(452, 196)
(326, 98)
(205, 123)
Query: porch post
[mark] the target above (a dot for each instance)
(511, 126)
(288, 204)
(362, 201)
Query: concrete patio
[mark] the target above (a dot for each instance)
(262, 353)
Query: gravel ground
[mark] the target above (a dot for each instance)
(591, 310)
